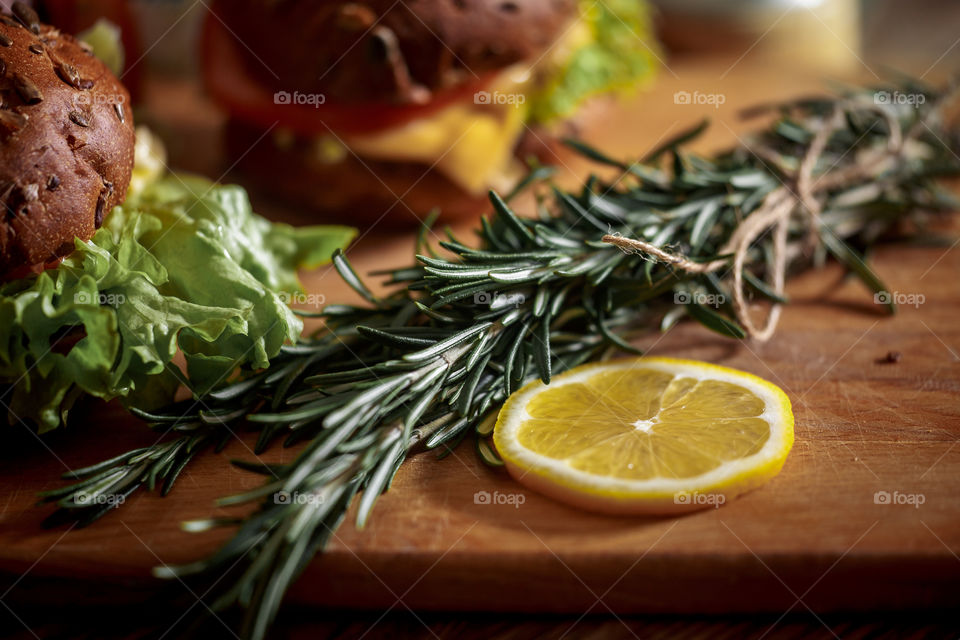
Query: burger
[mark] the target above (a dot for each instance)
(385, 110)
(67, 142)
(110, 265)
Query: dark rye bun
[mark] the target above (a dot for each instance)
(386, 51)
(66, 142)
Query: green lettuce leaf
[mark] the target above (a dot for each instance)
(105, 39)
(182, 265)
(614, 51)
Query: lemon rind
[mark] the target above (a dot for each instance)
(729, 479)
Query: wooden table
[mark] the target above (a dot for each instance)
(814, 539)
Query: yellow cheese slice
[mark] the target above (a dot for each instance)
(472, 144)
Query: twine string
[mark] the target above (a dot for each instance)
(777, 211)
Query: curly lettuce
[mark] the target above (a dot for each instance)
(183, 265)
(612, 50)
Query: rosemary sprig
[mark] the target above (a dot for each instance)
(430, 363)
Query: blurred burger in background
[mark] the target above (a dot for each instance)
(384, 110)
(106, 25)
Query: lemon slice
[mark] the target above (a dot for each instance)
(646, 435)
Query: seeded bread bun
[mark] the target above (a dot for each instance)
(387, 51)
(66, 141)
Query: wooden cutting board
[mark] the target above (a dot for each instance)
(814, 537)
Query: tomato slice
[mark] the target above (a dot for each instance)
(231, 85)
(29, 270)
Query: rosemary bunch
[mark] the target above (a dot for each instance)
(432, 361)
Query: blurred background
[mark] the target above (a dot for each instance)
(918, 37)
(745, 49)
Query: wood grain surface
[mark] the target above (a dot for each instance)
(813, 538)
